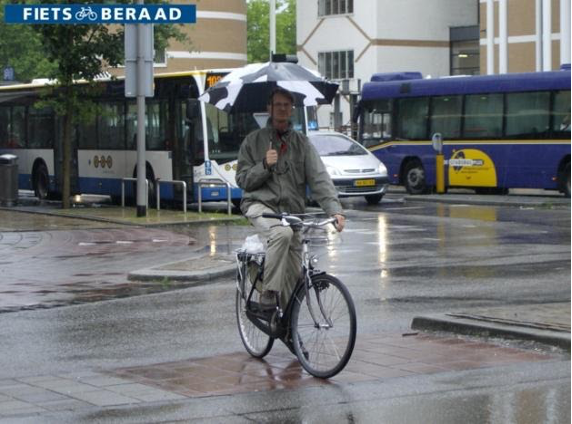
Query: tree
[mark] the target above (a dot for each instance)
(258, 42)
(79, 52)
(21, 49)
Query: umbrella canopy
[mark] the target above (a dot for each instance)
(247, 89)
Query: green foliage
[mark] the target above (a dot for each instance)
(21, 48)
(258, 42)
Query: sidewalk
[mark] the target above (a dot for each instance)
(521, 198)
(547, 323)
(94, 208)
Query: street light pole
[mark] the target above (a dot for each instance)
(272, 18)
(141, 168)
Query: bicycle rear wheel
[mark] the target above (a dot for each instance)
(324, 349)
(256, 342)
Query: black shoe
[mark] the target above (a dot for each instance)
(267, 300)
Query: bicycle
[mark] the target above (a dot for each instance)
(318, 324)
(86, 12)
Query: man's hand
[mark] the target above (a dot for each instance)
(340, 222)
(271, 157)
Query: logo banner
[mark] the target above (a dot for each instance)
(100, 14)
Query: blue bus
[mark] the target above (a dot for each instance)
(498, 131)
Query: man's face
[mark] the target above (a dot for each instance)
(281, 108)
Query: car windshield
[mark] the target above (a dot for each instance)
(336, 145)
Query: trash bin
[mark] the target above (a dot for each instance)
(8, 180)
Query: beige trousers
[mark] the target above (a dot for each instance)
(283, 262)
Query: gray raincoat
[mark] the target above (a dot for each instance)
(283, 187)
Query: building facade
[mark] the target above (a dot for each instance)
(524, 35)
(352, 39)
(349, 40)
(216, 40)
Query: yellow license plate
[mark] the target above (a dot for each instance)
(361, 183)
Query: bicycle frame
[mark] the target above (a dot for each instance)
(304, 283)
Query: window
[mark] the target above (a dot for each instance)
(110, 127)
(336, 65)
(527, 114)
(87, 135)
(446, 116)
(483, 116)
(376, 124)
(335, 145)
(412, 121)
(18, 127)
(4, 125)
(335, 7)
(156, 131)
(465, 58)
(41, 128)
(561, 114)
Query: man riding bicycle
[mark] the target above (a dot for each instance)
(275, 164)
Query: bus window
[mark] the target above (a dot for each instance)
(131, 126)
(483, 116)
(156, 125)
(40, 128)
(527, 114)
(561, 114)
(18, 127)
(110, 128)
(412, 121)
(377, 124)
(446, 116)
(87, 135)
(4, 124)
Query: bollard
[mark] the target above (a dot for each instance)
(440, 173)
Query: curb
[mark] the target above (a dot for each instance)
(491, 202)
(450, 323)
(120, 222)
(154, 274)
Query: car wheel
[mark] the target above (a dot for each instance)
(415, 178)
(373, 199)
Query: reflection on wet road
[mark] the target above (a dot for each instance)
(392, 254)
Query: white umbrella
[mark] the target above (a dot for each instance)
(247, 89)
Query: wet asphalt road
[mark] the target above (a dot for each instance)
(398, 260)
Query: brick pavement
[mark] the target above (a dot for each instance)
(376, 357)
(53, 268)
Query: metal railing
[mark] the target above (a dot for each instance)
(123, 190)
(174, 182)
(214, 182)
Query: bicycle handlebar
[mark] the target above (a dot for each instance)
(272, 215)
(288, 220)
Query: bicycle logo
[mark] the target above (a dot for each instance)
(86, 12)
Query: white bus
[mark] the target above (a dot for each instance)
(179, 141)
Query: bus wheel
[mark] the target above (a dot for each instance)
(41, 182)
(565, 184)
(415, 178)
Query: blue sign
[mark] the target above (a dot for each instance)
(100, 14)
(208, 167)
(8, 73)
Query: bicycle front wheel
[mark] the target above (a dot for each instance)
(324, 343)
(255, 341)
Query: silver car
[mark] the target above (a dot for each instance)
(355, 171)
